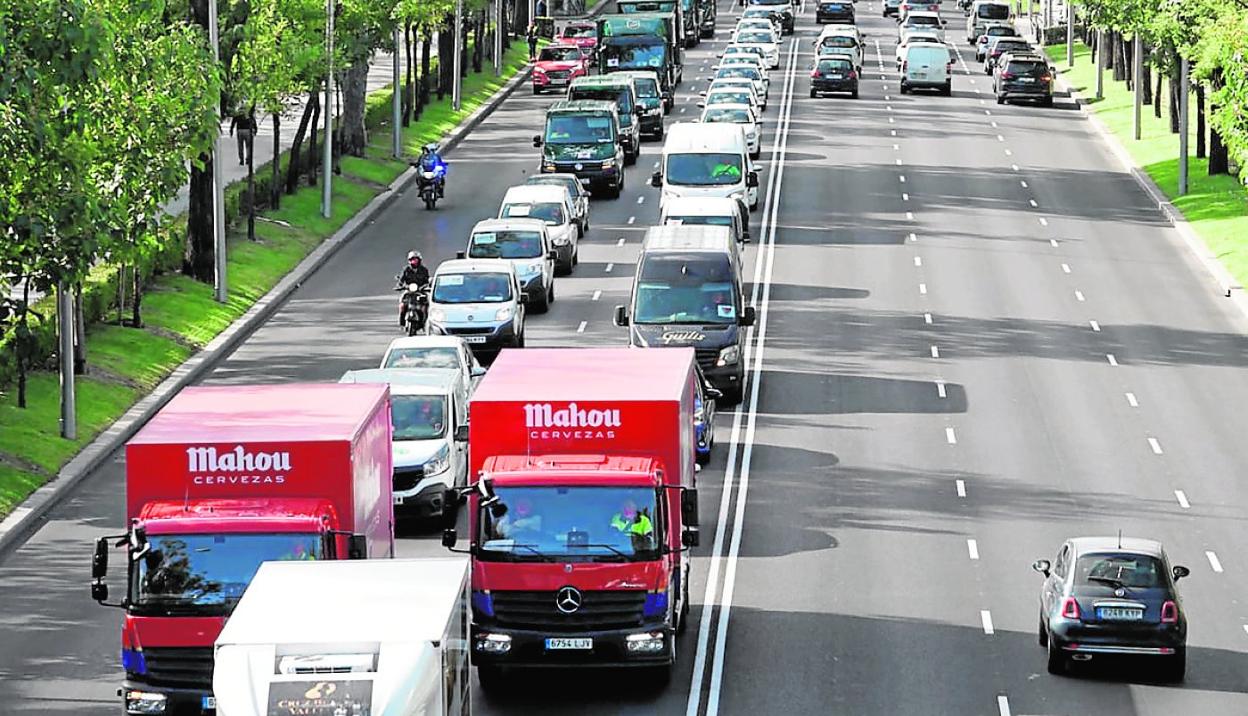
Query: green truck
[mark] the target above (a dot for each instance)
(637, 7)
(642, 41)
(618, 89)
(583, 138)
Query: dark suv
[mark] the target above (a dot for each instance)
(1020, 76)
(835, 12)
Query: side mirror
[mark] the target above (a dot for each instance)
(712, 393)
(748, 315)
(621, 316)
(1180, 572)
(357, 547)
(449, 537)
(461, 433)
(701, 104)
(1042, 566)
(751, 179)
(461, 254)
(99, 563)
(537, 140)
(656, 179)
(524, 298)
(99, 592)
(477, 371)
(552, 255)
(690, 538)
(689, 507)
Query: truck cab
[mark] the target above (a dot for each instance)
(620, 91)
(583, 138)
(643, 41)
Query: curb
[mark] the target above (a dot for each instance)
(1228, 286)
(27, 517)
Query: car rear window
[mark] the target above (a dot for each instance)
(1026, 67)
(993, 12)
(1000, 31)
(835, 66)
(1119, 570)
(838, 41)
(1010, 46)
(923, 20)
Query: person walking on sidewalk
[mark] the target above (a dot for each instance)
(245, 123)
(531, 36)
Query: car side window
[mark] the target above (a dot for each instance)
(1063, 562)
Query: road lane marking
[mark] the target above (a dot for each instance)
(909, 216)
(1112, 360)
(918, 260)
(898, 161)
(940, 389)
(905, 196)
(896, 147)
(1000, 138)
(641, 199)
(1053, 243)
(935, 352)
(1023, 183)
(961, 487)
(1079, 295)
(1214, 562)
(581, 328)
(597, 295)
(950, 436)
(889, 107)
(892, 132)
(1033, 203)
(609, 267)
(913, 237)
(1155, 446)
(1132, 401)
(1182, 498)
(902, 177)
(1095, 326)
(890, 120)
(994, 125)
(985, 617)
(923, 289)
(1003, 706)
(631, 220)
(927, 318)
(972, 549)
(1008, 153)
(620, 242)
(1065, 268)
(1014, 167)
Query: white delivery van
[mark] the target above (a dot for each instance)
(348, 637)
(707, 160)
(707, 210)
(983, 13)
(523, 243)
(552, 205)
(927, 66)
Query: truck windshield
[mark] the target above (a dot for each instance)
(646, 6)
(620, 95)
(181, 572)
(685, 289)
(505, 245)
(633, 55)
(418, 417)
(579, 129)
(703, 169)
(472, 288)
(592, 524)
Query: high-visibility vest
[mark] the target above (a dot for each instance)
(640, 526)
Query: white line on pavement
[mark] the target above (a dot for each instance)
(905, 196)
(940, 389)
(1053, 243)
(1003, 706)
(918, 260)
(927, 318)
(1033, 203)
(1008, 153)
(1000, 138)
(994, 125)
(1214, 562)
(972, 549)
(1182, 498)
(898, 161)
(890, 120)
(1095, 326)
(1023, 183)
(1132, 401)
(1065, 268)
(935, 352)
(641, 199)
(961, 487)
(985, 617)
(631, 220)
(889, 107)
(1112, 360)
(1014, 167)
(950, 436)
(1079, 295)
(892, 132)
(923, 289)
(909, 216)
(913, 237)
(1155, 446)
(620, 242)
(581, 328)
(597, 295)
(903, 176)
(609, 267)
(896, 147)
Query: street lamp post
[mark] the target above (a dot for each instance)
(1137, 59)
(457, 83)
(397, 109)
(1102, 46)
(498, 38)
(220, 286)
(327, 189)
(1070, 35)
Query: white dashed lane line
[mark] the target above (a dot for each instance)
(909, 216)
(631, 220)
(1065, 268)
(905, 196)
(918, 261)
(1033, 203)
(1182, 498)
(935, 352)
(985, 618)
(1214, 563)
(1053, 243)
(581, 328)
(950, 436)
(1095, 326)
(1155, 446)
(1023, 184)
(913, 237)
(923, 289)
(1079, 296)
(1132, 400)
(1003, 706)
(620, 242)
(960, 485)
(597, 295)
(1112, 360)
(1044, 221)
(940, 389)
(927, 318)
(609, 268)
(972, 549)
(641, 200)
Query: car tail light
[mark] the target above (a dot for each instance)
(1046, 78)
(1007, 75)
(814, 73)
(1070, 608)
(1169, 612)
(853, 75)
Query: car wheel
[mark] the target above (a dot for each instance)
(659, 135)
(1047, 102)
(854, 95)
(543, 304)
(491, 677)
(905, 89)
(756, 154)
(1000, 99)
(948, 91)
(550, 295)
(520, 339)
(1176, 666)
(702, 458)
(1057, 660)
(537, 90)
(630, 158)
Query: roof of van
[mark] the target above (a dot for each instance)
(600, 80)
(701, 237)
(509, 224)
(364, 596)
(582, 105)
(474, 266)
(714, 136)
(700, 206)
(535, 192)
(407, 381)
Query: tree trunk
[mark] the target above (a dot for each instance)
(251, 186)
(80, 333)
(1122, 60)
(275, 190)
(1201, 149)
(295, 167)
(136, 317)
(426, 48)
(464, 59)
(21, 346)
(1157, 96)
(314, 161)
(1219, 162)
(521, 16)
(1146, 77)
(446, 51)
(351, 122)
(200, 242)
(121, 293)
(1110, 45)
(478, 44)
(1174, 101)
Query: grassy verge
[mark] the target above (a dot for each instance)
(180, 314)
(1216, 206)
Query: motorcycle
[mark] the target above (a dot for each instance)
(416, 299)
(429, 183)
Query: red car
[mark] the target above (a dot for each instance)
(581, 34)
(557, 66)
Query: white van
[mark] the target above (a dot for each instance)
(927, 66)
(429, 444)
(983, 13)
(479, 300)
(707, 160)
(708, 210)
(553, 205)
(525, 245)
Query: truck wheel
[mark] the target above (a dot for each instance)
(491, 677)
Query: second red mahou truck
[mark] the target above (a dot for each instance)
(220, 480)
(583, 508)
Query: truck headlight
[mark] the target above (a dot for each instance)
(729, 355)
(494, 643)
(529, 269)
(608, 163)
(437, 315)
(548, 166)
(504, 313)
(439, 463)
(647, 643)
(145, 702)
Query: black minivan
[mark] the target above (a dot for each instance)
(688, 292)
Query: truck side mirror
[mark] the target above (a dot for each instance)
(747, 317)
(357, 547)
(99, 592)
(689, 507)
(99, 562)
(449, 538)
(461, 433)
(656, 179)
(751, 179)
(691, 537)
(552, 255)
(477, 371)
(537, 140)
(621, 316)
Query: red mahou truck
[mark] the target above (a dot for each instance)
(220, 480)
(583, 508)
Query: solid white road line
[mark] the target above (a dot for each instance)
(730, 571)
(961, 487)
(597, 295)
(985, 617)
(1182, 498)
(1003, 706)
(950, 436)
(1079, 295)
(1095, 326)
(940, 389)
(1155, 446)
(935, 352)
(581, 328)
(972, 549)
(1132, 401)
(1112, 360)
(1214, 562)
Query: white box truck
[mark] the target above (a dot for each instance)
(350, 638)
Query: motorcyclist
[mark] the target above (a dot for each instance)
(431, 161)
(415, 273)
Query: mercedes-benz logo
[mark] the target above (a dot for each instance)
(568, 600)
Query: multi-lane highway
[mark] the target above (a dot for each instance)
(975, 339)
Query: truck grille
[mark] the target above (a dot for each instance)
(600, 610)
(406, 478)
(179, 666)
(706, 357)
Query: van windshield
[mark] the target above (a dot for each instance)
(549, 212)
(685, 289)
(505, 245)
(717, 169)
(472, 288)
(422, 357)
(993, 12)
(579, 129)
(701, 220)
(620, 95)
(418, 417)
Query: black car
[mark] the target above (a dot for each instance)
(835, 12)
(1107, 596)
(1023, 77)
(833, 74)
(780, 8)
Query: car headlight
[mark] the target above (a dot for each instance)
(539, 71)
(729, 356)
(437, 315)
(738, 195)
(608, 163)
(529, 269)
(504, 313)
(548, 166)
(439, 463)
(654, 111)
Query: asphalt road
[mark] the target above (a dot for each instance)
(947, 380)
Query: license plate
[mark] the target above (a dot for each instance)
(1026, 79)
(558, 81)
(836, 77)
(474, 339)
(209, 702)
(1118, 614)
(553, 644)
(398, 499)
(920, 75)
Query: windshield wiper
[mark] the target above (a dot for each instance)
(542, 555)
(604, 546)
(1115, 583)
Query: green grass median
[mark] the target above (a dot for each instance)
(180, 315)
(1215, 206)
